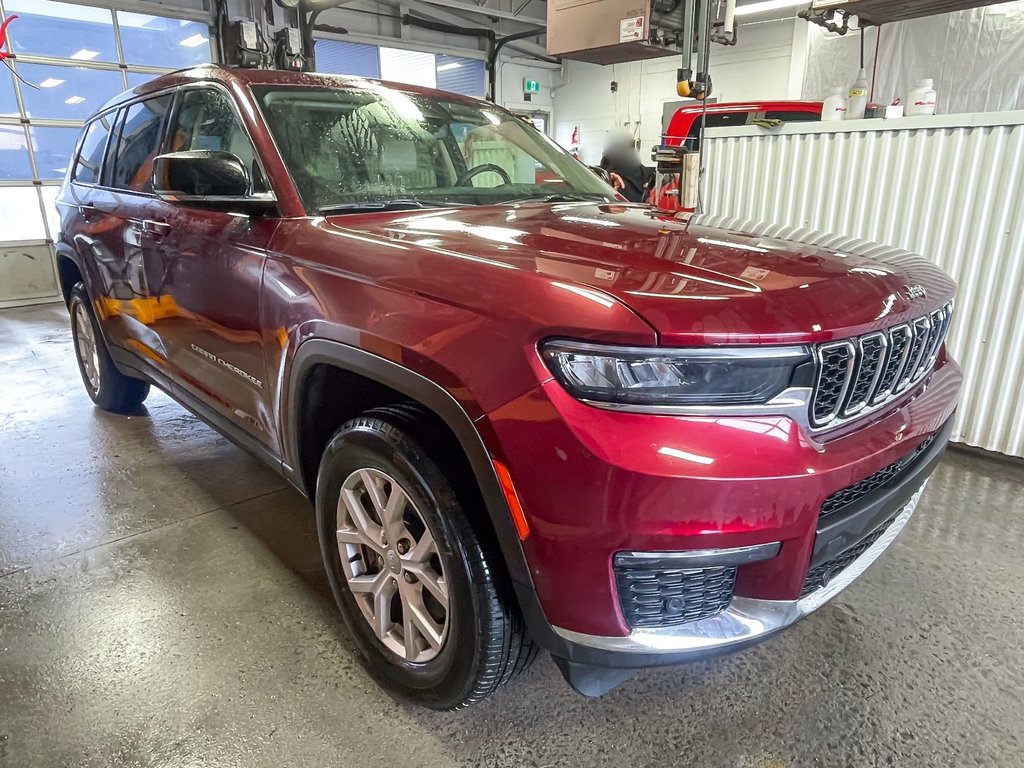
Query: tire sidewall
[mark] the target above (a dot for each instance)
(80, 297)
(373, 443)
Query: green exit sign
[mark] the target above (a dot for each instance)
(531, 86)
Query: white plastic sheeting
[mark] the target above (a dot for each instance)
(949, 191)
(976, 58)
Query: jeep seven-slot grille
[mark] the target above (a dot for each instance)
(666, 597)
(840, 500)
(855, 375)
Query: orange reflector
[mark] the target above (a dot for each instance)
(518, 517)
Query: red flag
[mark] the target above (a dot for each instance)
(3, 36)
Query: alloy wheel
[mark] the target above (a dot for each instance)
(392, 565)
(85, 345)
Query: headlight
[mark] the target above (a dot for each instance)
(692, 376)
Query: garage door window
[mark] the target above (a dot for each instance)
(162, 42)
(62, 30)
(457, 74)
(53, 149)
(79, 56)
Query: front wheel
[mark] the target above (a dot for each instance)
(108, 388)
(408, 572)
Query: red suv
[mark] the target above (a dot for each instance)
(530, 416)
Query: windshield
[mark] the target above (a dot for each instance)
(376, 145)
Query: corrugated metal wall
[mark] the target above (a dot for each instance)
(952, 194)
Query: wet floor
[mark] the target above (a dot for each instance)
(162, 604)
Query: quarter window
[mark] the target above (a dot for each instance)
(139, 144)
(90, 159)
(206, 120)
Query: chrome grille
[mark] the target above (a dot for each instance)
(858, 375)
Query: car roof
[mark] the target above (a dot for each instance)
(229, 76)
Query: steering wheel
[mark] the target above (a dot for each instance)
(476, 170)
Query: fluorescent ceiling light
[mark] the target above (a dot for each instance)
(449, 65)
(769, 5)
(84, 54)
(193, 42)
(74, 100)
(50, 82)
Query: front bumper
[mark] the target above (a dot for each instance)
(596, 484)
(746, 620)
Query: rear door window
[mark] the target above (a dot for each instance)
(139, 144)
(792, 116)
(719, 120)
(89, 164)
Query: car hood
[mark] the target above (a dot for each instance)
(693, 279)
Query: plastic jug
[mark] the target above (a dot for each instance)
(836, 105)
(922, 99)
(858, 97)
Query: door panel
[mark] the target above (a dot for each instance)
(204, 270)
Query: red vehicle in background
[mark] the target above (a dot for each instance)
(683, 137)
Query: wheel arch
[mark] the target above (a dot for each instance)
(69, 271)
(313, 354)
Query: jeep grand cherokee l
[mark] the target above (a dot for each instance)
(530, 416)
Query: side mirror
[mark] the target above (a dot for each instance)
(601, 173)
(208, 179)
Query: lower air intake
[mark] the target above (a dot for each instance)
(669, 597)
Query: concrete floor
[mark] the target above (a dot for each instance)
(162, 604)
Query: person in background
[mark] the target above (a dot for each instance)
(622, 162)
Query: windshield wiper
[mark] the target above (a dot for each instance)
(376, 206)
(562, 197)
(370, 206)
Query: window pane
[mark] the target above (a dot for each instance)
(412, 67)
(8, 101)
(90, 159)
(459, 75)
(136, 79)
(14, 163)
(371, 144)
(793, 116)
(160, 42)
(62, 30)
(53, 148)
(70, 93)
(337, 58)
(206, 120)
(50, 209)
(19, 211)
(139, 144)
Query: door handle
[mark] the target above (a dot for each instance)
(88, 211)
(156, 230)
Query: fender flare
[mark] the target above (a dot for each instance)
(63, 250)
(401, 379)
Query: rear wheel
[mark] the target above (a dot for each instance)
(108, 388)
(420, 595)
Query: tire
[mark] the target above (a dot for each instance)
(108, 388)
(482, 640)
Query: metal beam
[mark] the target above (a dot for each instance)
(484, 10)
(428, 9)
